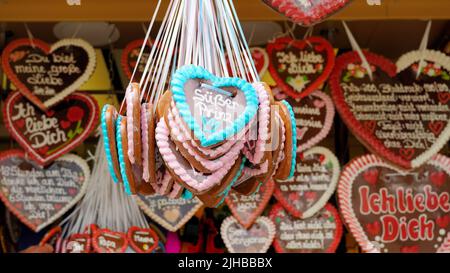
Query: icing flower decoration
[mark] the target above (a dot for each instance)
(281, 67)
(298, 83)
(319, 67)
(18, 55)
(432, 70)
(357, 71)
(75, 113)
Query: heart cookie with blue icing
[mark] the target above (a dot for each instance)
(108, 123)
(214, 109)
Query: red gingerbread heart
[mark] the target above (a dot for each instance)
(45, 137)
(246, 209)
(403, 212)
(299, 67)
(107, 241)
(314, 181)
(47, 74)
(130, 56)
(398, 117)
(142, 240)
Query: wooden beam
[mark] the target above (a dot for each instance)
(248, 10)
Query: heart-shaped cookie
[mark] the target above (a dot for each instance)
(78, 243)
(402, 119)
(314, 116)
(172, 214)
(39, 196)
(142, 240)
(213, 108)
(46, 74)
(314, 181)
(130, 55)
(108, 241)
(388, 210)
(300, 67)
(45, 136)
(320, 233)
(246, 209)
(256, 239)
(307, 13)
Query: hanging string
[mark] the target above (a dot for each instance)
(142, 50)
(356, 48)
(308, 32)
(30, 35)
(423, 47)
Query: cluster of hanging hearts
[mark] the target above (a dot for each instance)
(209, 132)
(212, 133)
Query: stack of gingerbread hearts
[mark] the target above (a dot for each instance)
(133, 159)
(216, 133)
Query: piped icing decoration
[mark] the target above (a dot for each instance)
(108, 121)
(133, 123)
(177, 190)
(234, 100)
(258, 170)
(145, 145)
(294, 137)
(182, 168)
(122, 164)
(256, 154)
(209, 165)
(209, 153)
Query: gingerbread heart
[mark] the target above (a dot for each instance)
(78, 243)
(46, 74)
(388, 210)
(142, 240)
(314, 116)
(38, 196)
(172, 214)
(314, 181)
(130, 55)
(45, 136)
(213, 108)
(320, 233)
(402, 119)
(300, 67)
(307, 13)
(107, 241)
(246, 209)
(257, 239)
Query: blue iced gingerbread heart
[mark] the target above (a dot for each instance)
(206, 101)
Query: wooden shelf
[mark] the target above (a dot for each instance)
(248, 10)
